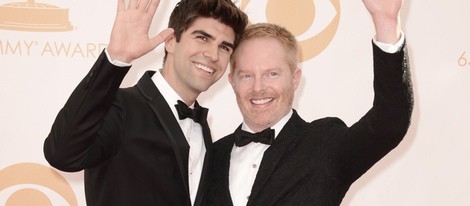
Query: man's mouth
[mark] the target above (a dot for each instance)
(204, 68)
(261, 101)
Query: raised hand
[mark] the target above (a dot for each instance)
(129, 37)
(386, 17)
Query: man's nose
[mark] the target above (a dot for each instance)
(211, 52)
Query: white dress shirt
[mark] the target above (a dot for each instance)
(245, 162)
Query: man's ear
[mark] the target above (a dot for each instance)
(170, 43)
(297, 76)
(230, 78)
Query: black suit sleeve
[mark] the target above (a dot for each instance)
(74, 142)
(383, 127)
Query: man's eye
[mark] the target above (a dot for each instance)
(273, 74)
(226, 48)
(203, 38)
(245, 76)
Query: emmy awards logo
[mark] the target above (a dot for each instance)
(313, 22)
(34, 184)
(33, 16)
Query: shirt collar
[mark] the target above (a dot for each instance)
(277, 127)
(168, 93)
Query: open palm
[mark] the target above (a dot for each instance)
(130, 35)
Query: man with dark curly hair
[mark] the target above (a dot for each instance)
(142, 145)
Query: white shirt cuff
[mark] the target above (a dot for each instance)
(391, 48)
(116, 62)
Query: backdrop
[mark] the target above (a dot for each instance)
(47, 46)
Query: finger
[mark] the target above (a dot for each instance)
(143, 5)
(133, 4)
(162, 36)
(121, 5)
(153, 5)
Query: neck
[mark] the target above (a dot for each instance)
(188, 96)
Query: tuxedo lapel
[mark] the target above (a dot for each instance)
(166, 118)
(273, 154)
(220, 171)
(207, 160)
(226, 167)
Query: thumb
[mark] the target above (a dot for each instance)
(162, 36)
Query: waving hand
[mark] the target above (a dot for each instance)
(386, 17)
(129, 37)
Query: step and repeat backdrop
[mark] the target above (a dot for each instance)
(47, 46)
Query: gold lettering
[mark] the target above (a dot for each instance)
(91, 49)
(10, 48)
(28, 46)
(102, 46)
(463, 61)
(13, 50)
(47, 49)
(94, 50)
(78, 50)
(17, 48)
(55, 49)
(61, 48)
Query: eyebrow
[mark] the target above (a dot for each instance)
(225, 43)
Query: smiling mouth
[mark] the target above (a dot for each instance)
(204, 68)
(261, 101)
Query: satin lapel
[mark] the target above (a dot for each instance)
(273, 154)
(219, 172)
(224, 170)
(171, 127)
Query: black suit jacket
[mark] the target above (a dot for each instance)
(314, 164)
(127, 140)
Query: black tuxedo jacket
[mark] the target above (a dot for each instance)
(314, 164)
(127, 140)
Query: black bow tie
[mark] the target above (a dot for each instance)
(243, 138)
(198, 114)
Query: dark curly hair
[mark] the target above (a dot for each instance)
(225, 11)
